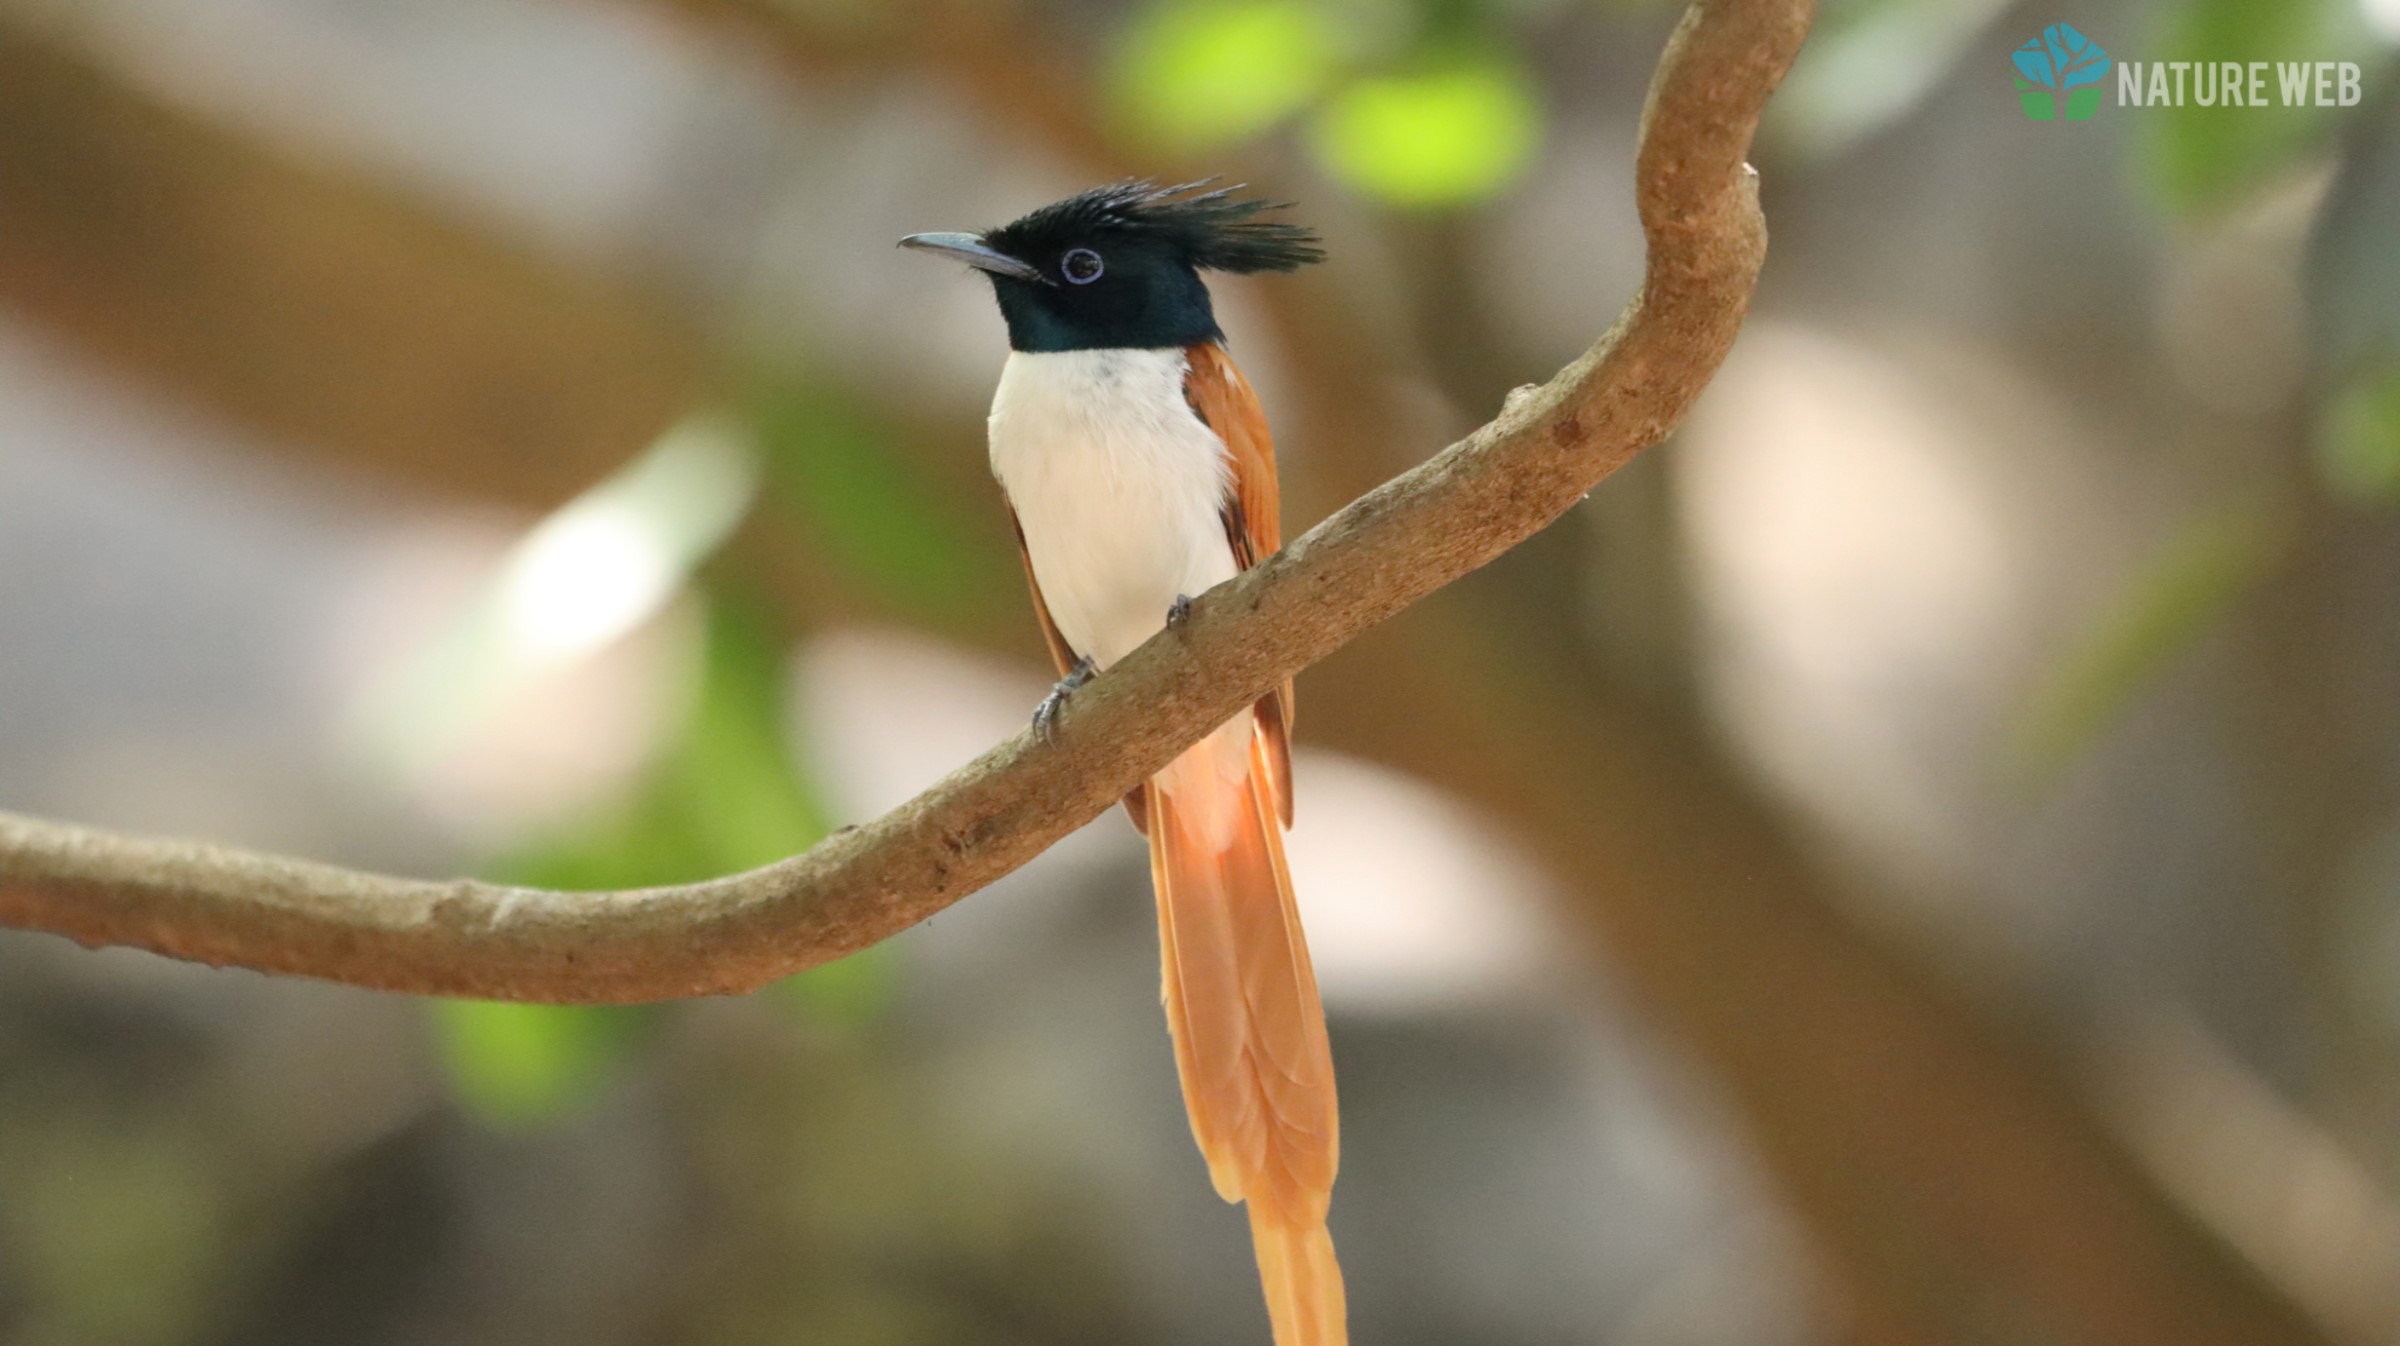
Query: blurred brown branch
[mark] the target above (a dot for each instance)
(310, 306)
(1371, 560)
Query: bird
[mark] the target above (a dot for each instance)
(1139, 473)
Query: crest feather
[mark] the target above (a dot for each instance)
(1213, 229)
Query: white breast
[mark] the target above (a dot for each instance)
(1117, 486)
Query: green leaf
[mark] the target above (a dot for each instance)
(518, 1066)
(1200, 73)
(742, 803)
(1870, 62)
(2199, 158)
(2192, 581)
(732, 770)
(2358, 439)
(1447, 136)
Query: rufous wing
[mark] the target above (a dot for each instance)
(1253, 514)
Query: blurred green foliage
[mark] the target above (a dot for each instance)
(831, 472)
(2358, 439)
(1195, 74)
(2351, 273)
(1423, 107)
(2168, 604)
(2202, 158)
(2205, 159)
(516, 1066)
(1446, 114)
(1452, 134)
(2352, 280)
(1868, 62)
(723, 797)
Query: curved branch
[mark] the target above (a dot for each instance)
(1387, 550)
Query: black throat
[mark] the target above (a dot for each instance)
(1150, 307)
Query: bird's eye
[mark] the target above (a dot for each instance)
(1081, 266)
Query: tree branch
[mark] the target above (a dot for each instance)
(1933, 1155)
(1384, 552)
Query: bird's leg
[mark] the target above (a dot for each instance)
(1179, 612)
(1045, 715)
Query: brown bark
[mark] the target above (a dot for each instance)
(309, 307)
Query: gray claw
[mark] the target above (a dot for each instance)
(1179, 611)
(1045, 715)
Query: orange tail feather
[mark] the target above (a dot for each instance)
(1241, 999)
(1303, 1284)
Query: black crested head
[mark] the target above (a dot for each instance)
(1210, 231)
(1119, 266)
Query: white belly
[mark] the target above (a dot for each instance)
(1117, 486)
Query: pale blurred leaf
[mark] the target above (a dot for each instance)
(2194, 580)
(582, 577)
(1867, 63)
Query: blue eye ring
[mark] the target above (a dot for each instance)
(1080, 266)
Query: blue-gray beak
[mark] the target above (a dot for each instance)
(971, 249)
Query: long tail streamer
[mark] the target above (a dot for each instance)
(1241, 999)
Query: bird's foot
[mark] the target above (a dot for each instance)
(1045, 715)
(1179, 612)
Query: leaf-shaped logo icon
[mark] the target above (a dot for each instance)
(2061, 60)
(2033, 59)
(2078, 59)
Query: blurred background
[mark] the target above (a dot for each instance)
(1915, 859)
